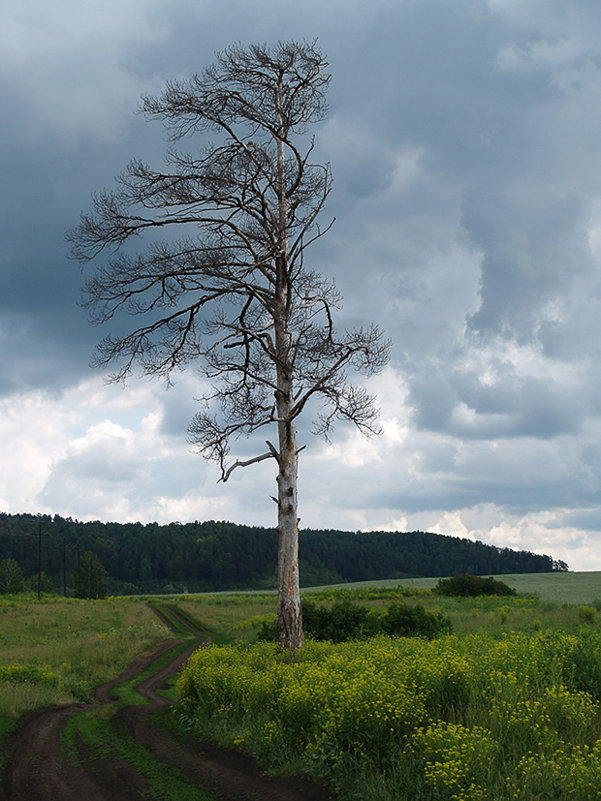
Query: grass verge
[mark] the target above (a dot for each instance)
(91, 737)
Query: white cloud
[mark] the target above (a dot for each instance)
(464, 146)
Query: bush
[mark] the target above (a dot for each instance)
(414, 621)
(345, 620)
(466, 585)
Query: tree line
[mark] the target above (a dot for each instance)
(216, 555)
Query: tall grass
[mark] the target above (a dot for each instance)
(58, 650)
(239, 617)
(505, 708)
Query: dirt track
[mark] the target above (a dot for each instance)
(37, 768)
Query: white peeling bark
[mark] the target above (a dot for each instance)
(289, 621)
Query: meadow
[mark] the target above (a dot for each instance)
(505, 707)
(57, 650)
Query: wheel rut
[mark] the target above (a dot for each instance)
(38, 767)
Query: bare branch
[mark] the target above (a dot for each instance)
(225, 475)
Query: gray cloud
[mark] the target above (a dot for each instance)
(464, 145)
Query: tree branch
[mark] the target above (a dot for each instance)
(225, 475)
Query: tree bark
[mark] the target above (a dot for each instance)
(289, 619)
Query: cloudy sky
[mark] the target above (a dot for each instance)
(465, 144)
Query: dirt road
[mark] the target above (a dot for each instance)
(40, 768)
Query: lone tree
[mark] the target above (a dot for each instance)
(222, 281)
(90, 577)
(11, 577)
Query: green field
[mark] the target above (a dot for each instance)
(504, 709)
(507, 707)
(569, 587)
(57, 650)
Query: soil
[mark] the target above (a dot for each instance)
(38, 769)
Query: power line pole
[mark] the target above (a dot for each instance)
(39, 561)
(40, 558)
(64, 566)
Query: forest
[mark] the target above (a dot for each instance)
(210, 556)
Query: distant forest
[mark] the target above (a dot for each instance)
(209, 556)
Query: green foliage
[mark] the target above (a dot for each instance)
(454, 761)
(587, 613)
(217, 555)
(11, 577)
(414, 621)
(90, 577)
(345, 620)
(451, 718)
(466, 585)
(44, 581)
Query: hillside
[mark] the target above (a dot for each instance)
(211, 555)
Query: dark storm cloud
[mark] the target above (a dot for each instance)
(464, 145)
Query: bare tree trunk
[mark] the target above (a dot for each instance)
(289, 621)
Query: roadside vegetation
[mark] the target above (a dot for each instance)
(500, 702)
(506, 707)
(57, 650)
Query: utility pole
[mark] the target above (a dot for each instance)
(64, 566)
(39, 561)
(39, 535)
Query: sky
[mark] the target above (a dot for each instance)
(465, 145)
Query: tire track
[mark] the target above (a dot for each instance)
(37, 767)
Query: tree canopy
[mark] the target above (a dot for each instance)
(211, 555)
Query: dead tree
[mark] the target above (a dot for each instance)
(222, 281)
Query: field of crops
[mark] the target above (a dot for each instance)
(558, 588)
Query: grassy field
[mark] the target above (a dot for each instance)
(56, 650)
(512, 664)
(504, 709)
(569, 587)
(238, 615)
(572, 588)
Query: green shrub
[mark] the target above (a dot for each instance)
(345, 620)
(466, 585)
(401, 620)
(342, 621)
(587, 613)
